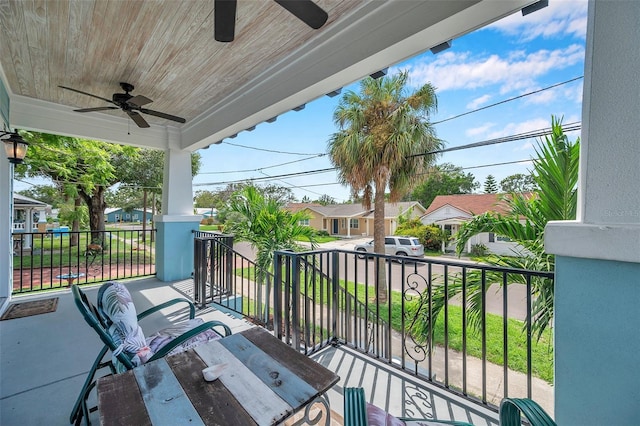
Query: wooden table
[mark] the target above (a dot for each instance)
(265, 381)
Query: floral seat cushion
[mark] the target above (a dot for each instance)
(376, 416)
(117, 305)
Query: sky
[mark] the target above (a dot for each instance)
(510, 58)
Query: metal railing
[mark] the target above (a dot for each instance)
(45, 261)
(426, 329)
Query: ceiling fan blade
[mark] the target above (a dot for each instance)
(139, 100)
(85, 93)
(307, 11)
(224, 20)
(138, 119)
(95, 109)
(163, 115)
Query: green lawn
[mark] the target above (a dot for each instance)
(542, 350)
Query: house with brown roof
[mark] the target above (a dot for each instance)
(353, 220)
(449, 212)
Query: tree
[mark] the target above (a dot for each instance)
(83, 168)
(383, 135)
(264, 223)
(49, 194)
(555, 173)
(518, 183)
(305, 199)
(443, 179)
(326, 200)
(490, 185)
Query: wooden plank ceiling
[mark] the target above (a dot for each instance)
(165, 48)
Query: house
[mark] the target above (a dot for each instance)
(29, 215)
(353, 220)
(118, 215)
(263, 74)
(450, 211)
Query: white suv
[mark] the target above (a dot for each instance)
(395, 245)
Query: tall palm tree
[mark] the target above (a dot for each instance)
(384, 132)
(555, 172)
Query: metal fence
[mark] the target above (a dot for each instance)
(441, 321)
(44, 261)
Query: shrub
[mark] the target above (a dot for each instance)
(430, 236)
(479, 250)
(322, 233)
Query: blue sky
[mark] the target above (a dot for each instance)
(509, 58)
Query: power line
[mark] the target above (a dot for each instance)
(263, 168)
(271, 150)
(512, 138)
(509, 100)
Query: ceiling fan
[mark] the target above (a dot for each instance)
(225, 16)
(129, 104)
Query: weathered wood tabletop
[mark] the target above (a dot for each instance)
(264, 382)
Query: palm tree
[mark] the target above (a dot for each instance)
(383, 136)
(265, 224)
(555, 172)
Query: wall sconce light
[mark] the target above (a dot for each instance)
(376, 75)
(14, 146)
(441, 47)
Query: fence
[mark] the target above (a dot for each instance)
(44, 261)
(449, 323)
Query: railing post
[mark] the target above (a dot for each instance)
(277, 295)
(199, 271)
(335, 266)
(295, 302)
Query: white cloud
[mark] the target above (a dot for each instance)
(478, 101)
(477, 131)
(516, 71)
(560, 18)
(523, 127)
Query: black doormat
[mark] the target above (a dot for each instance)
(27, 309)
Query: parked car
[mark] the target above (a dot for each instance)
(395, 245)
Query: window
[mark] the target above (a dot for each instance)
(343, 223)
(354, 223)
(303, 222)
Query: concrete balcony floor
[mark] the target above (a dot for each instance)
(44, 360)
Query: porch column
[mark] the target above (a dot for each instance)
(597, 291)
(6, 211)
(6, 227)
(174, 246)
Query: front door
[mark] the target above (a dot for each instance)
(335, 226)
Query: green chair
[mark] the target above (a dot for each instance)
(355, 412)
(512, 410)
(115, 321)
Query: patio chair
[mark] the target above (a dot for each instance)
(512, 409)
(116, 323)
(358, 412)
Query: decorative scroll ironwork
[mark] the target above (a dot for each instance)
(414, 281)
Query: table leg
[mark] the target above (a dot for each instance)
(307, 419)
